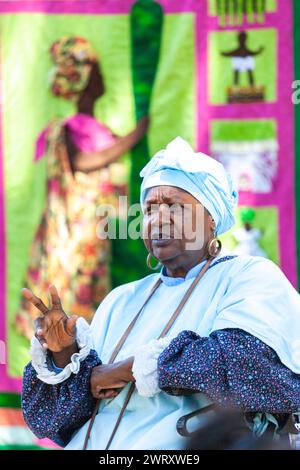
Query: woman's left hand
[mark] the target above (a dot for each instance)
(107, 380)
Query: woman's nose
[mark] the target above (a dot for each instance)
(161, 217)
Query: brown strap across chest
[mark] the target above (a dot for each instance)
(123, 339)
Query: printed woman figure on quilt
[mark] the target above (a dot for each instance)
(82, 173)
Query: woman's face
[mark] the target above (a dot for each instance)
(70, 81)
(176, 226)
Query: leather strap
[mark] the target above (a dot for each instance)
(125, 335)
(115, 353)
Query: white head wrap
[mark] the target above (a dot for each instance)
(198, 174)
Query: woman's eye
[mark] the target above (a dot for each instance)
(177, 207)
(149, 211)
(152, 210)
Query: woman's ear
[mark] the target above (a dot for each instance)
(212, 224)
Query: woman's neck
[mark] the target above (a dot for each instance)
(181, 271)
(85, 105)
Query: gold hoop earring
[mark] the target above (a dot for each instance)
(214, 247)
(148, 261)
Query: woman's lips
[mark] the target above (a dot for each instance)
(161, 241)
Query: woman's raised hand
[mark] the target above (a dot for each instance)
(54, 329)
(142, 127)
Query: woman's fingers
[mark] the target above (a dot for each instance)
(111, 386)
(108, 391)
(56, 303)
(39, 334)
(36, 301)
(39, 322)
(108, 394)
(70, 325)
(111, 393)
(39, 331)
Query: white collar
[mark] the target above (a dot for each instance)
(175, 281)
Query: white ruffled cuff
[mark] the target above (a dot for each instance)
(40, 355)
(144, 367)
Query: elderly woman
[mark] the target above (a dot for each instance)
(207, 329)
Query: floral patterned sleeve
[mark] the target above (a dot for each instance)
(231, 367)
(56, 411)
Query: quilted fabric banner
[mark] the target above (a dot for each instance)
(218, 73)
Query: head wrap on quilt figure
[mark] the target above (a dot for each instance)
(73, 59)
